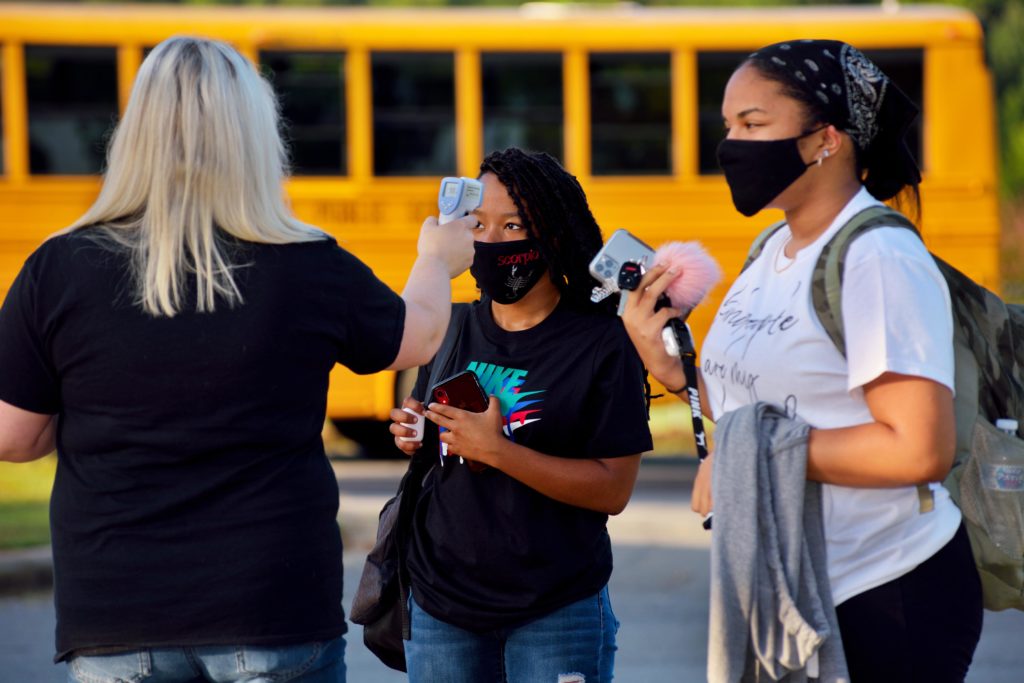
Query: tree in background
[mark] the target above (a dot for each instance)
(1004, 39)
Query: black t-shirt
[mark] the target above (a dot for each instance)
(193, 503)
(488, 551)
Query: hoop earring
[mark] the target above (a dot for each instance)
(824, 155)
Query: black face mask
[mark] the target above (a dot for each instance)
(757, 171)
(506, 271)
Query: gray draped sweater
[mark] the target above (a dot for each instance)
(772, 616)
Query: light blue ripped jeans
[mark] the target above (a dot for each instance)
(316, 662)
(575, 644)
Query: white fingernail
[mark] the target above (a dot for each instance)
(416, 427)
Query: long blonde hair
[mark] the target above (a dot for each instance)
(197, 149)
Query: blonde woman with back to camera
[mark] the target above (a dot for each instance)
(174, 346)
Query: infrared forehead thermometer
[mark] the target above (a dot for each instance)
(458, 197)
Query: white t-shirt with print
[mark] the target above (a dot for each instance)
(766, 343)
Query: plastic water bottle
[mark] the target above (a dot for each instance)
(1001, 473)
(1007, 426)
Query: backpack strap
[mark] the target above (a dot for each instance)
(758, 245)
(422, 464)
(445, 356)
(827, 288)
(827, 281)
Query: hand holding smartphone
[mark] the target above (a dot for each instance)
(462, 391)
(619, 265)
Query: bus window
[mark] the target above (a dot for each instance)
(311, 89)
(906, 69)
(413, 113)
(522, 101)
(72, 107)
(713, 72)
(630, 114)
(715, 68)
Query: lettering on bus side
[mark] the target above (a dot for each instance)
(341, 211)
(405, 216)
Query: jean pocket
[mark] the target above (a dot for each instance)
(128, 667)
(280, 663)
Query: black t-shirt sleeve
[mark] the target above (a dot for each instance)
(28, 378)
(616, 402)
(372, 321)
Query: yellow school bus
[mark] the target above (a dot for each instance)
(379, 104)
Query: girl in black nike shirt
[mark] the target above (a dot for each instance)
(510, 557)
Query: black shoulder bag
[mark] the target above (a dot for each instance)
(381, 601)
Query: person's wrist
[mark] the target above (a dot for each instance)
(438, 261)
(674, 390)
(431, 255)
(673, 379)
(493, 455)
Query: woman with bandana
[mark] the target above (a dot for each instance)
(510, 557)
(815, 129)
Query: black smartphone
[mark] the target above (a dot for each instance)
(461, 391)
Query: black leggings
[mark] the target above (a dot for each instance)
(920, 627)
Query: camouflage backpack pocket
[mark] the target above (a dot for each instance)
(989, 488)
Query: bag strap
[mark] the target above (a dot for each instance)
(444, 359)
(421, 465)
(827, 288)
(758, 245)
(827, 281)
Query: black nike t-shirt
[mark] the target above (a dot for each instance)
(489, 552)
(193, 503)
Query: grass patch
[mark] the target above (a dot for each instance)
(25, 502)
(23, 525)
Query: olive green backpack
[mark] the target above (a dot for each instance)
(989, 382)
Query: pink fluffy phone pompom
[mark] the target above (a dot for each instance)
(697, 274)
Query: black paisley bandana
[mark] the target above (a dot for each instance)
(858, 99)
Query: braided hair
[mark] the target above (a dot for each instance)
(556, 215)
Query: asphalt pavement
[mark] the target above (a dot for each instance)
(659, 588)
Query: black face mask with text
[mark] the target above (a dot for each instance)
(506, 271)
(757, 171)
